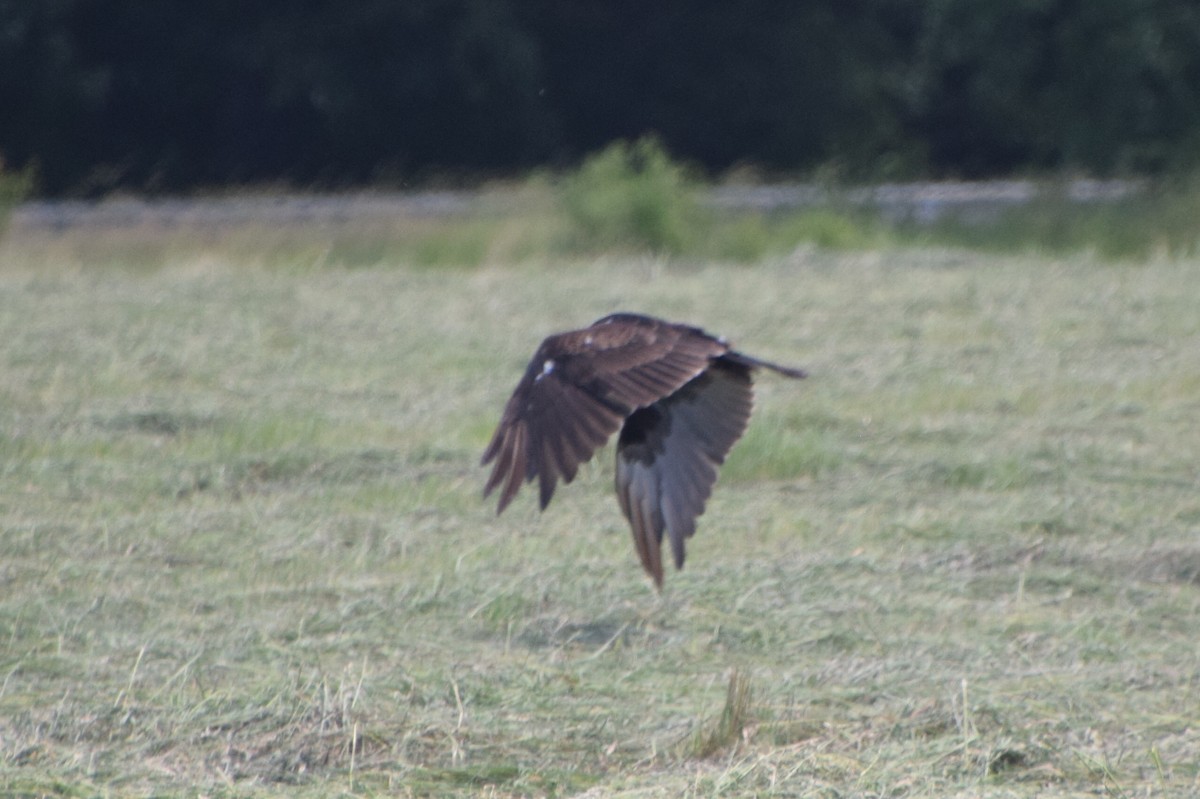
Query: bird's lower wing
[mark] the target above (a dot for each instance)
(668, 455)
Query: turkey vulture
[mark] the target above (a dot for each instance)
(680, 396)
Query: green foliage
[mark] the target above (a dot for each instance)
(613, 205)
(833, 229)
(1106, 86)
(1159, 220)
(14, 188)
(635, 197)
(631, 195)
(397, 92)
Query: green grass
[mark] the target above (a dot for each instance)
(1155, 223)
(632, 202)
(243, 552)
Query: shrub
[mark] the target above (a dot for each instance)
(632, 195)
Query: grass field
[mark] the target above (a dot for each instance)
(243, 552)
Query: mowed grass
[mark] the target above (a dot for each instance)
(243, 552)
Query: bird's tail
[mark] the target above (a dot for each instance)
(757, 363)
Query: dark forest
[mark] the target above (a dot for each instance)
(173, 95)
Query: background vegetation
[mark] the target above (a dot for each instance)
(627, 199)
(175, 95)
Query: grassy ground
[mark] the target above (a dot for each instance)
(243, 553)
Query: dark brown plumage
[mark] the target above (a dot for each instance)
(680, 397)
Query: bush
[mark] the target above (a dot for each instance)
(632, 195)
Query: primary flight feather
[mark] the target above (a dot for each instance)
(680, 397)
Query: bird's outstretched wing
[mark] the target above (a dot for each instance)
(579, 388)
(668, 455)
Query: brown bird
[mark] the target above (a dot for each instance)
(680, 397)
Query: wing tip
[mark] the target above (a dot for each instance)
(750, 361)
(505, 498)
(788, 371)
(510, 469)
(546, 486)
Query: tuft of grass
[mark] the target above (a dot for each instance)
(727, 729)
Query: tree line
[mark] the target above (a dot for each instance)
(173, 94)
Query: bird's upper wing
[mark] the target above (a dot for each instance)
(578, 389)
(668, 455)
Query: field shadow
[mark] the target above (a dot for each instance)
(554, 632)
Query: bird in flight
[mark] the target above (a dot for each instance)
(680, 397)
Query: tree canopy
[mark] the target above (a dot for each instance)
(172, 95)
